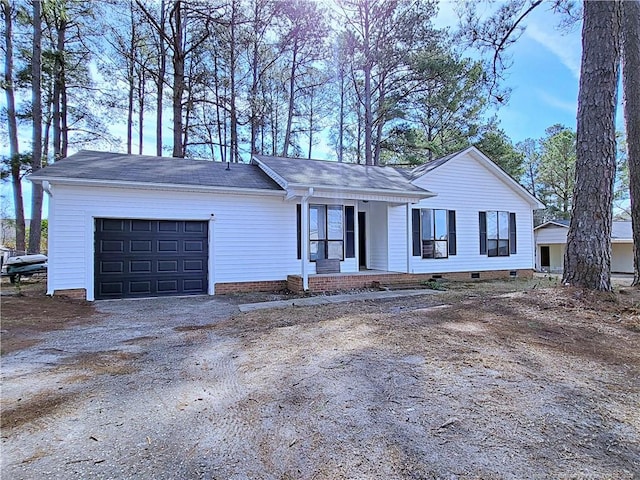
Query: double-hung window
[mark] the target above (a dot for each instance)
(326, 232)
(331, 231)
(497, 233)
(434, 233)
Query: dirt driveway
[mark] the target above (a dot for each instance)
(492, 381)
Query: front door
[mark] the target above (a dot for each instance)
(362, 240)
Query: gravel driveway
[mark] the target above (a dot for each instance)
(487, 387)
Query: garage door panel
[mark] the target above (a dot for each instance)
(138, 258)
(170, 246)
(140, 266)
(193, 266)
(111, 225)
(111, 267)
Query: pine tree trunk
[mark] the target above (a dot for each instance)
(631, 92)
(13, 126)
(368, 115)
(35, 228)
(292, 84)
(57, 91)
(341, 124)
(588, 256)
(233, 114)
(162, 70)
(178, 79)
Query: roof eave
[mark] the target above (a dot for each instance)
(152, 185)
(362, 191)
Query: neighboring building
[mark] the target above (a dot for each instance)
(129, 226)
(551, 243)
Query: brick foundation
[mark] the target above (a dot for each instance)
(345, 281)
(75, 293)
(247, 287)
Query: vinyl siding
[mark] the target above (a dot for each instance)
(466, 186)
(254, 237)
(551, 235)
(622, 258)
(397, 237)
(377, 235)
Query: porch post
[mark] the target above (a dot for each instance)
(305, 239)
(409, 238)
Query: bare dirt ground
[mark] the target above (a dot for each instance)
(493, 380)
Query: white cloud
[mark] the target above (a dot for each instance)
(566, 47)
(560, 104)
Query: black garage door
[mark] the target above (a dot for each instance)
(148, 258)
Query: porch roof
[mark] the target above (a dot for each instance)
(340, 180)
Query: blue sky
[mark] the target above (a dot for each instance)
(543, 76)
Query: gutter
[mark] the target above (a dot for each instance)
(152, 186)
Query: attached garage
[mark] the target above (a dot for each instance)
(143, 258)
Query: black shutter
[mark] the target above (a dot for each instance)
(452, 232)
(350, 232)
(415, 233)
(299, 229)
(512, 234)
(483, 233)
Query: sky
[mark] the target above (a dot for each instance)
(543, 74)
(543, 78)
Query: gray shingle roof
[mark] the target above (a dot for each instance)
(322, 173)
(118, 167)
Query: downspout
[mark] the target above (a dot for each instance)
(409, 238)
(305, 238)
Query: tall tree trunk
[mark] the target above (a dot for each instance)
(311, 99)
(12, 125)
(178, 79)
(368, 115)
(631, 92)
(254, 81)
(341, 121)
(162, 70)
(35, 228)
(57, 89)
(291, 106)
(130, 79)
(234, 154)
(141, 103)
(219, 119)
(588, 256)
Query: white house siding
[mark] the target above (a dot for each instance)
(254, 237)
(551, 235)
(466, 186)
(622, 257)
(397, 238)
(377, 236)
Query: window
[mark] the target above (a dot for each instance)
(326, 232)
(433, 233)
(497, 233)
(319, 246)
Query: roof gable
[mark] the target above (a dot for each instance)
(474, 154)
(292, 173)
